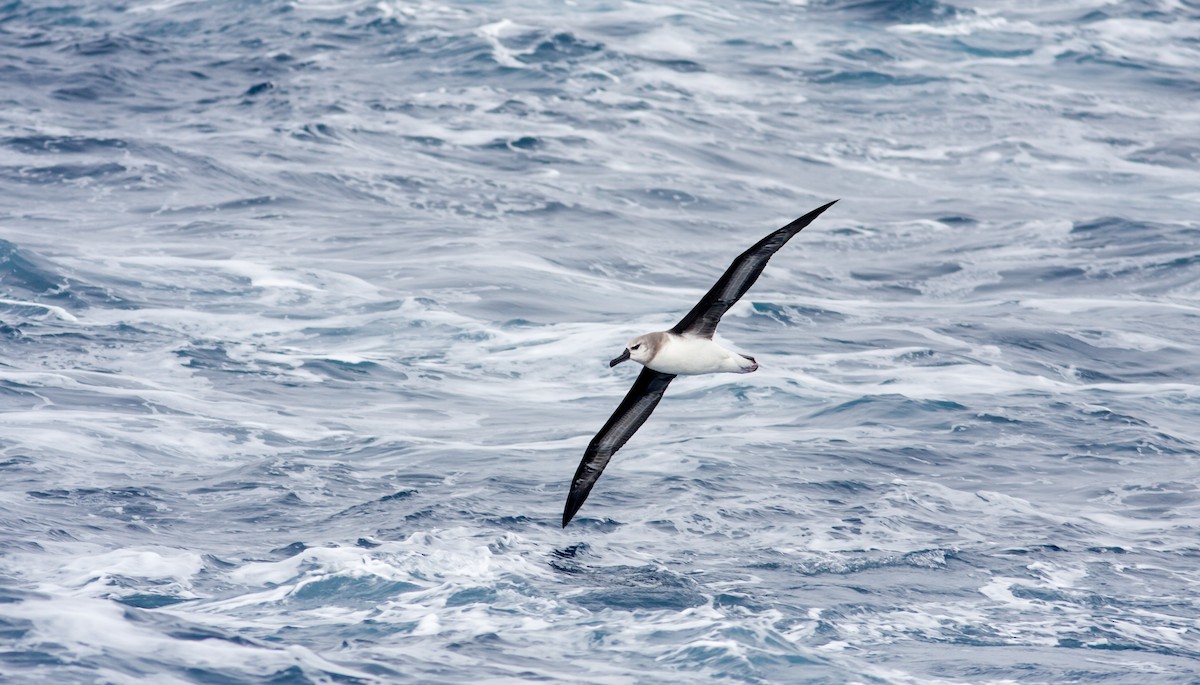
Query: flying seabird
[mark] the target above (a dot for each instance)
(686, 349)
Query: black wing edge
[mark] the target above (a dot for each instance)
(649, 385)
(710, 298)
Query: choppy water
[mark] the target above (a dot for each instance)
(305, 309)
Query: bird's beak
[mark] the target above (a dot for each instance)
(618, 360)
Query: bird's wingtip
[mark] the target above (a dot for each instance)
(571, 508)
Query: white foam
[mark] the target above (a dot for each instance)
(53, 309)
(492, 33)
(88, 628)
(968, 24)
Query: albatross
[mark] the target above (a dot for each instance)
(684, 350)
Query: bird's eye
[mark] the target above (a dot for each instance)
(636, 346)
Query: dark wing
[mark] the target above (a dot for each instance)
(633, 411)
(738, 278)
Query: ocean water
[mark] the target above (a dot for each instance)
(306, 307)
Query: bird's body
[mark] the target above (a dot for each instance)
(686, 355)
(686, 349)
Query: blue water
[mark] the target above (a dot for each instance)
(305, 309)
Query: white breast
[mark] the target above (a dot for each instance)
(687, 356)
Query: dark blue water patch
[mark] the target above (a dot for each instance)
(1098, 57)
(1112, 454)
(12, 593)
(215, 364)
(15, 462)
(796, 315)
(1020, 279)
(362, 592)
(627, 588)
(89, 394)
(993, 418)
(11, 331)
(1046, 551)
(297, 675)
(562, 47)
(560, 211)
(993, 50)
(395, 496)
(354, 372)
(274, 506)
(1164, 496)
(392, 27)
(957, 220)
(481, 596)
(927, 358)
(519, 153)
(683, 66)
(739, 603)
(1108, 639)
(1091, 415)
(662, 198)
(288, 551)
(578, 550)
(1138, 74)
(213, 359)
(28, 276)
(48, 16)
(526, 143)
(892, 11)
(897, 462)
(95, 86)
(181, 629)
(31, 658)
(317, 133)
(832, 491)
(467, 57)
(259, 89)
(1085, 442)
(1094, 16)
(129, 504)
(1088, 115)
(325, 187)
(869, 55)
(386, 507)
(1128, 236)
(110, 45)
(1171, 265)
(586, 525)
(251, 62)
(909, 273)
(45, 144)
(868, 78)
(226, 486)
(514, 522)
(205, 676)
(63, 173)
(149, 601)
(1090, 600)
(28, 273)
(1091, 363)
(888, 410)
(12, 629)
(1176, 84)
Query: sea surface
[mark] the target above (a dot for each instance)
(306, 308)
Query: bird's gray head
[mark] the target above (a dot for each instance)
(640, 349)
